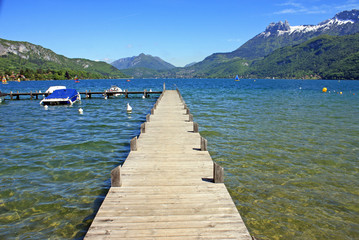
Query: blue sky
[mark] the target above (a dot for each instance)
(178, 31)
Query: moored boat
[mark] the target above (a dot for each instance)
(114, 91)
(2, 96)
(62, 97)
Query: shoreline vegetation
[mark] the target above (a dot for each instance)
(43, 75)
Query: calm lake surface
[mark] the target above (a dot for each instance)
(290, 153)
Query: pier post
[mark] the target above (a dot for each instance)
(126, 93)
(133, 144)
(147, 117)
(195, 127)
(11, 96)
(203, 144)
(164, 86)
(31, 95)
(218, 173)
(143, 127)
(190, 118)
(152, 111)
(116, 177)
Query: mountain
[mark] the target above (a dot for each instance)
(246, 59)
(323, 57)
(38, 61)
(281, 34)
(142, 61)
(278, 35)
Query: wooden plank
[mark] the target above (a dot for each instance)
(167, 184)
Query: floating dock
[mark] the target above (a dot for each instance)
(168, 187)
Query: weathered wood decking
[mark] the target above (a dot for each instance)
(167, 189)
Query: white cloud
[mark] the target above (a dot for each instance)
(108, 60)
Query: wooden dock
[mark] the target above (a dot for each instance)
(87, 94)
(168, 187)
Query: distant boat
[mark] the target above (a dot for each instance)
(237, 78)
(62, 97)
(4, 81)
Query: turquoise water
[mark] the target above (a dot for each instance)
(290, 153)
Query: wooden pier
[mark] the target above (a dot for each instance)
(168, 187)
(87, 94)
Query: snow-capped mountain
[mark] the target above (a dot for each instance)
(343, 19)
(281, 34)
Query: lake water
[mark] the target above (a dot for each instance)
(290, 153)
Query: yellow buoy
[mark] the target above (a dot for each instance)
(341, 92)
(324, 89)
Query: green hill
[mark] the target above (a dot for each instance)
(36, 62)
(324, 57)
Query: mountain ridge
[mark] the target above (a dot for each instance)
(16, 56)
(142, 61)
(281, 34)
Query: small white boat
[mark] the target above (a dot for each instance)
(62, 97)
(114, 91)
(2, 96)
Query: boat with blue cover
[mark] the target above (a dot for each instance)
(62, 97)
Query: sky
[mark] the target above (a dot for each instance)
(178, 31)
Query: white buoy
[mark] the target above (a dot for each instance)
(81, 111)
(143, 96)
(129, 108)
(150, 90)
(46, 107)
